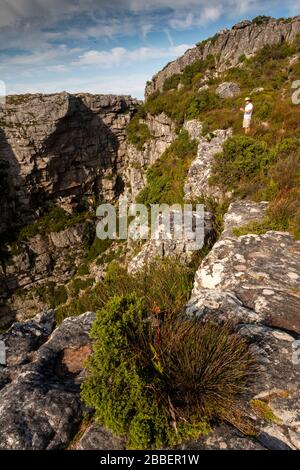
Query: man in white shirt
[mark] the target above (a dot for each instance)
(247, 115)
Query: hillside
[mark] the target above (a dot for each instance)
(187, 349)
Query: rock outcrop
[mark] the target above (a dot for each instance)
(193, 232)
(253, 281)
(228, 90)
(244, 39)
(40, 406)
(163, 133)
(197, 182)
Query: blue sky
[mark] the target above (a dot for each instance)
(109, 46)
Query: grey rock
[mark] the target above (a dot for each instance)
(40, 408)
(165, 244)
(262, 271)
(96, 437)
(241, 213)
(228, 90)
(197, 181)
(245, 38)
(24, 338)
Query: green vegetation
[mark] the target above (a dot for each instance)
(51, 294)
(53, 220)
(250, 168)
(97, 248)
(78, 285)
(138, 132)
(165, 179)
(166, 283)
(263, 410)
(261, 19)
(242, 158)
(148, 378)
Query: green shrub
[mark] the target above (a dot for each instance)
(97, 248)
(172, 82)
(165, 179)
(242, 158)
(261, 19)
(52, 294)
(138, 132)
(159, 383)
(203, 101)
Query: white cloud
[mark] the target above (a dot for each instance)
(57, 68)
(119, 55)
(133, 85)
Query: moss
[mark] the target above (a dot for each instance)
(83, 269)
(263, 410)
(51, 294)
(54, 219)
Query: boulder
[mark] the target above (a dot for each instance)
(228, 90)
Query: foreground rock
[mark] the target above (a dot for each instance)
(39, 402)
(253, 281)
(241, 213)
(262, 272)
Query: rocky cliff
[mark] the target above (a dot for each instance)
(228, 46)
(60, 147)
(67, 152)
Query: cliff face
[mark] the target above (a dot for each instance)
(70, 150)
(245, 38)
(60, 147)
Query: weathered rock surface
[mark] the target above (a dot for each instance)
(241, 213)
(61, 145)
(262, 271)
(40, 406)
(96, 437)
(163, 133)
(228, 90)
(245, 38)
(42, 260)
(164, 243)
(197, 181)
(253, 281)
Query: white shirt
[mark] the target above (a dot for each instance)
(248, 110)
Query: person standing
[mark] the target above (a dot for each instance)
(247, 110)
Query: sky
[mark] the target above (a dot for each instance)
(109, 46)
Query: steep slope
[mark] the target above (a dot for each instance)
(228, 46)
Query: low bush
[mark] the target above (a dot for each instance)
(159, 382)
(243, 158)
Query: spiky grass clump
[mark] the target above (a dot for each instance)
(207, 367)
(160, 380)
